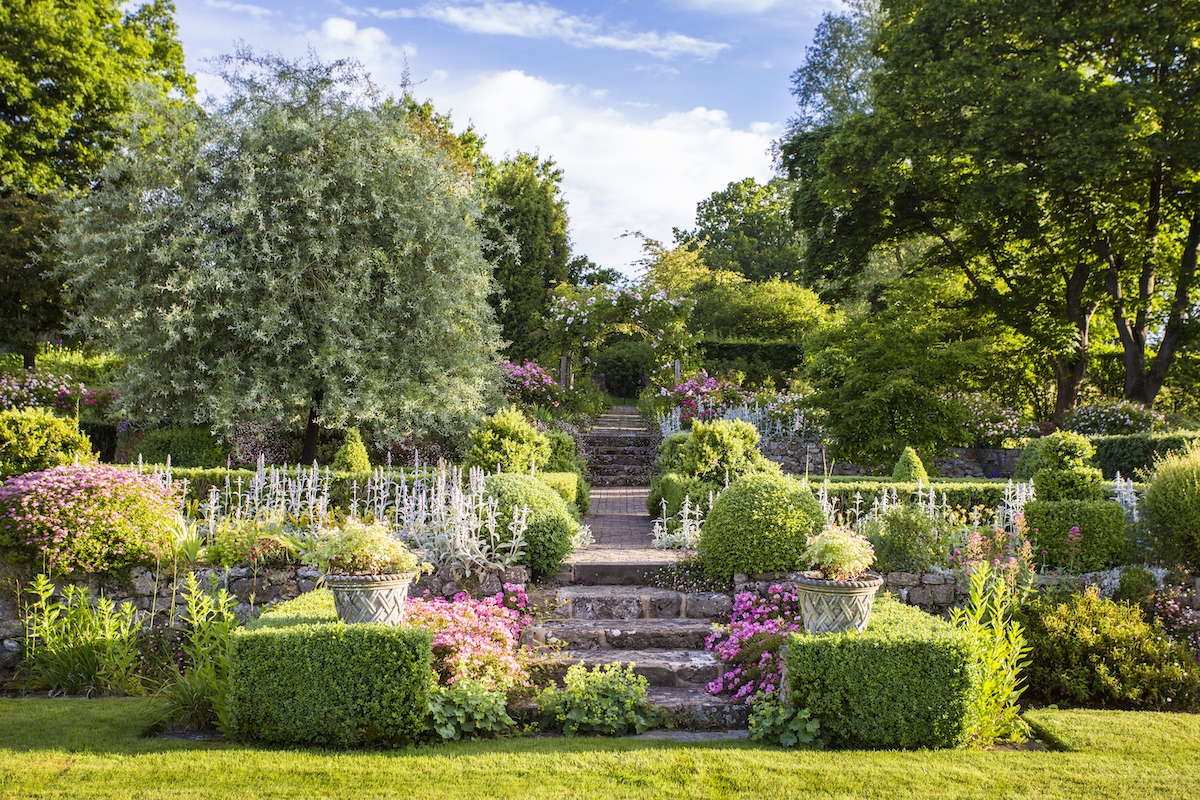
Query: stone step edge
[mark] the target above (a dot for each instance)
(680, 709)
(630, 603)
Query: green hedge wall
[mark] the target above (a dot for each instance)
(777, 355)
(960, 492)
(1134, 454)
(298, 676)
(908, 681)
(1101, 526)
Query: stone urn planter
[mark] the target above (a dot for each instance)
(837, 606)
(379, 599)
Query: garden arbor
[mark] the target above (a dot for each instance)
(582, 317)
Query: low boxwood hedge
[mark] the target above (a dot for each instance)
(908, 681)
(1101, 526)
(1134, 455)
(299, 676)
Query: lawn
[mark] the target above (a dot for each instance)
(95, 748)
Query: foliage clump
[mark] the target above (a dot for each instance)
(907, 539)
(79, 521)
(352, 455)
(909, 468)
(1173, 505)
(839, 554)
(759, 524)
(33, 439)
(359, 548)
(550, 525)
(187, 447)
(608, 700)
(508, 443)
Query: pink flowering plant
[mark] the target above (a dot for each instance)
(476, 640)
(77, 521)
(95, 402)
(1108, 418)
(531, 384)
(1179, 620)
(1008, 552)
(749, 644)
(37, 387)
(986, 423)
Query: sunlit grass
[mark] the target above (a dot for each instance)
(94, 748)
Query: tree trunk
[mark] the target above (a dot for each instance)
(1070, 369)
(313, 431)
(1178, 319)
(29, 358)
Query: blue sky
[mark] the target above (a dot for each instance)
(648, 107)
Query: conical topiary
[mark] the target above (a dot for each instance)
(909, 468)
(352, 455)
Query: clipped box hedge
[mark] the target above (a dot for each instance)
(908, 681)
(1134, 455)
(299, 676)
(1101, 526)
(570, 485)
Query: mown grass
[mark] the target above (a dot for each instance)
(95, 749)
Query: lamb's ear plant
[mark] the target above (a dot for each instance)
(1003, 653)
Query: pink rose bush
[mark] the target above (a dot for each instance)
(76, 521)
(531, 384)
(750, 644)
(476, 640)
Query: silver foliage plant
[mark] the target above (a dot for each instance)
(297, 249)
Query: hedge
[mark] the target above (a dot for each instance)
(908, 681)
(1101, 526)
(1134, 455)
(299, 676)
(571, 486)
(961, 492)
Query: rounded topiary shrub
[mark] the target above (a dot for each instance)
(1030, 460)
(352, 455)
(187, 447)
(1173, 505)
(759, 524)
(34, 439)
(84, 520)
(506, 441)
(548, 537)
(909, 468)
(720, 449)
(1065, 450)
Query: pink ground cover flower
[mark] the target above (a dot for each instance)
(749, 645)
(89, 519)
(476, 639)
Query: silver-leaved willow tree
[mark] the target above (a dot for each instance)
(296, 251)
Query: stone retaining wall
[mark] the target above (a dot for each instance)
(934, 592)
(801, 458)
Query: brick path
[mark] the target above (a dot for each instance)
(618, 517)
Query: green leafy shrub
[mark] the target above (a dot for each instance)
(1101, 526)
(33, 439)
(909, 468)
(506, 441)
(86, 520)
(910, 680)
(759, 524)
(1076, 483)
(468, 708)
(607, 700)
(248, 542)
(1138, 586)
(1066, 450)
(625, 366)
(298, 676)
(1030, 460)
(1173, 505)
(564, 453)
(724, 448)
(673, 488)
(352, 455)
(906, 539)
(187, 447)
(1093, 651)
(861, 492)
(776, 723)
(550, 526)
(1134, 455)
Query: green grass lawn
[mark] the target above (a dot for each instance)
(95, 748)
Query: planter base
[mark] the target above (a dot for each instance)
(837, 606)
(379, 599)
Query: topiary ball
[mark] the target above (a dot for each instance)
(1066, 450)
(86, 520)
(1173, 505)
(759, 524)
(352, 455)
(506, 441)
(550, 526)
(909, 468)
(33, 439)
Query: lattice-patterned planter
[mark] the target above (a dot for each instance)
(370, 598)
(837, 606)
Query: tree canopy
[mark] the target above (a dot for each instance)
(65, 75)
(298, 252)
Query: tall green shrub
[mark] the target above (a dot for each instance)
(548, 537)
(352, 455)
(506, 441)
(1173, 505)
(761, 523)
(33, 439)
(909, 468)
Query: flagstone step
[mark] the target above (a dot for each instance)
(629, 602)
(689, 669)
(640, 634)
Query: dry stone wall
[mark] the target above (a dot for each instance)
(934, 592)
(808, 458)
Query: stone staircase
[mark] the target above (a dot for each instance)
(661, 633)
(621, 449)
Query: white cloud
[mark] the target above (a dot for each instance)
(241, 8)
(732, 7)
(539, 21)
(619, 173)
(342, 38)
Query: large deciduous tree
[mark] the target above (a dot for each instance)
(1052, 149)
(30, 305)
(528, 242)
(299, 251)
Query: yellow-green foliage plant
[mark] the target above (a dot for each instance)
(1173, 505)
(33, 439)
(352, 455)
(909, 468)
(508, 443)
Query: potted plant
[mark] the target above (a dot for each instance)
(839, 596)
(367, 569)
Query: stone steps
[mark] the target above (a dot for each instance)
(680, 669)
(637, 634)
